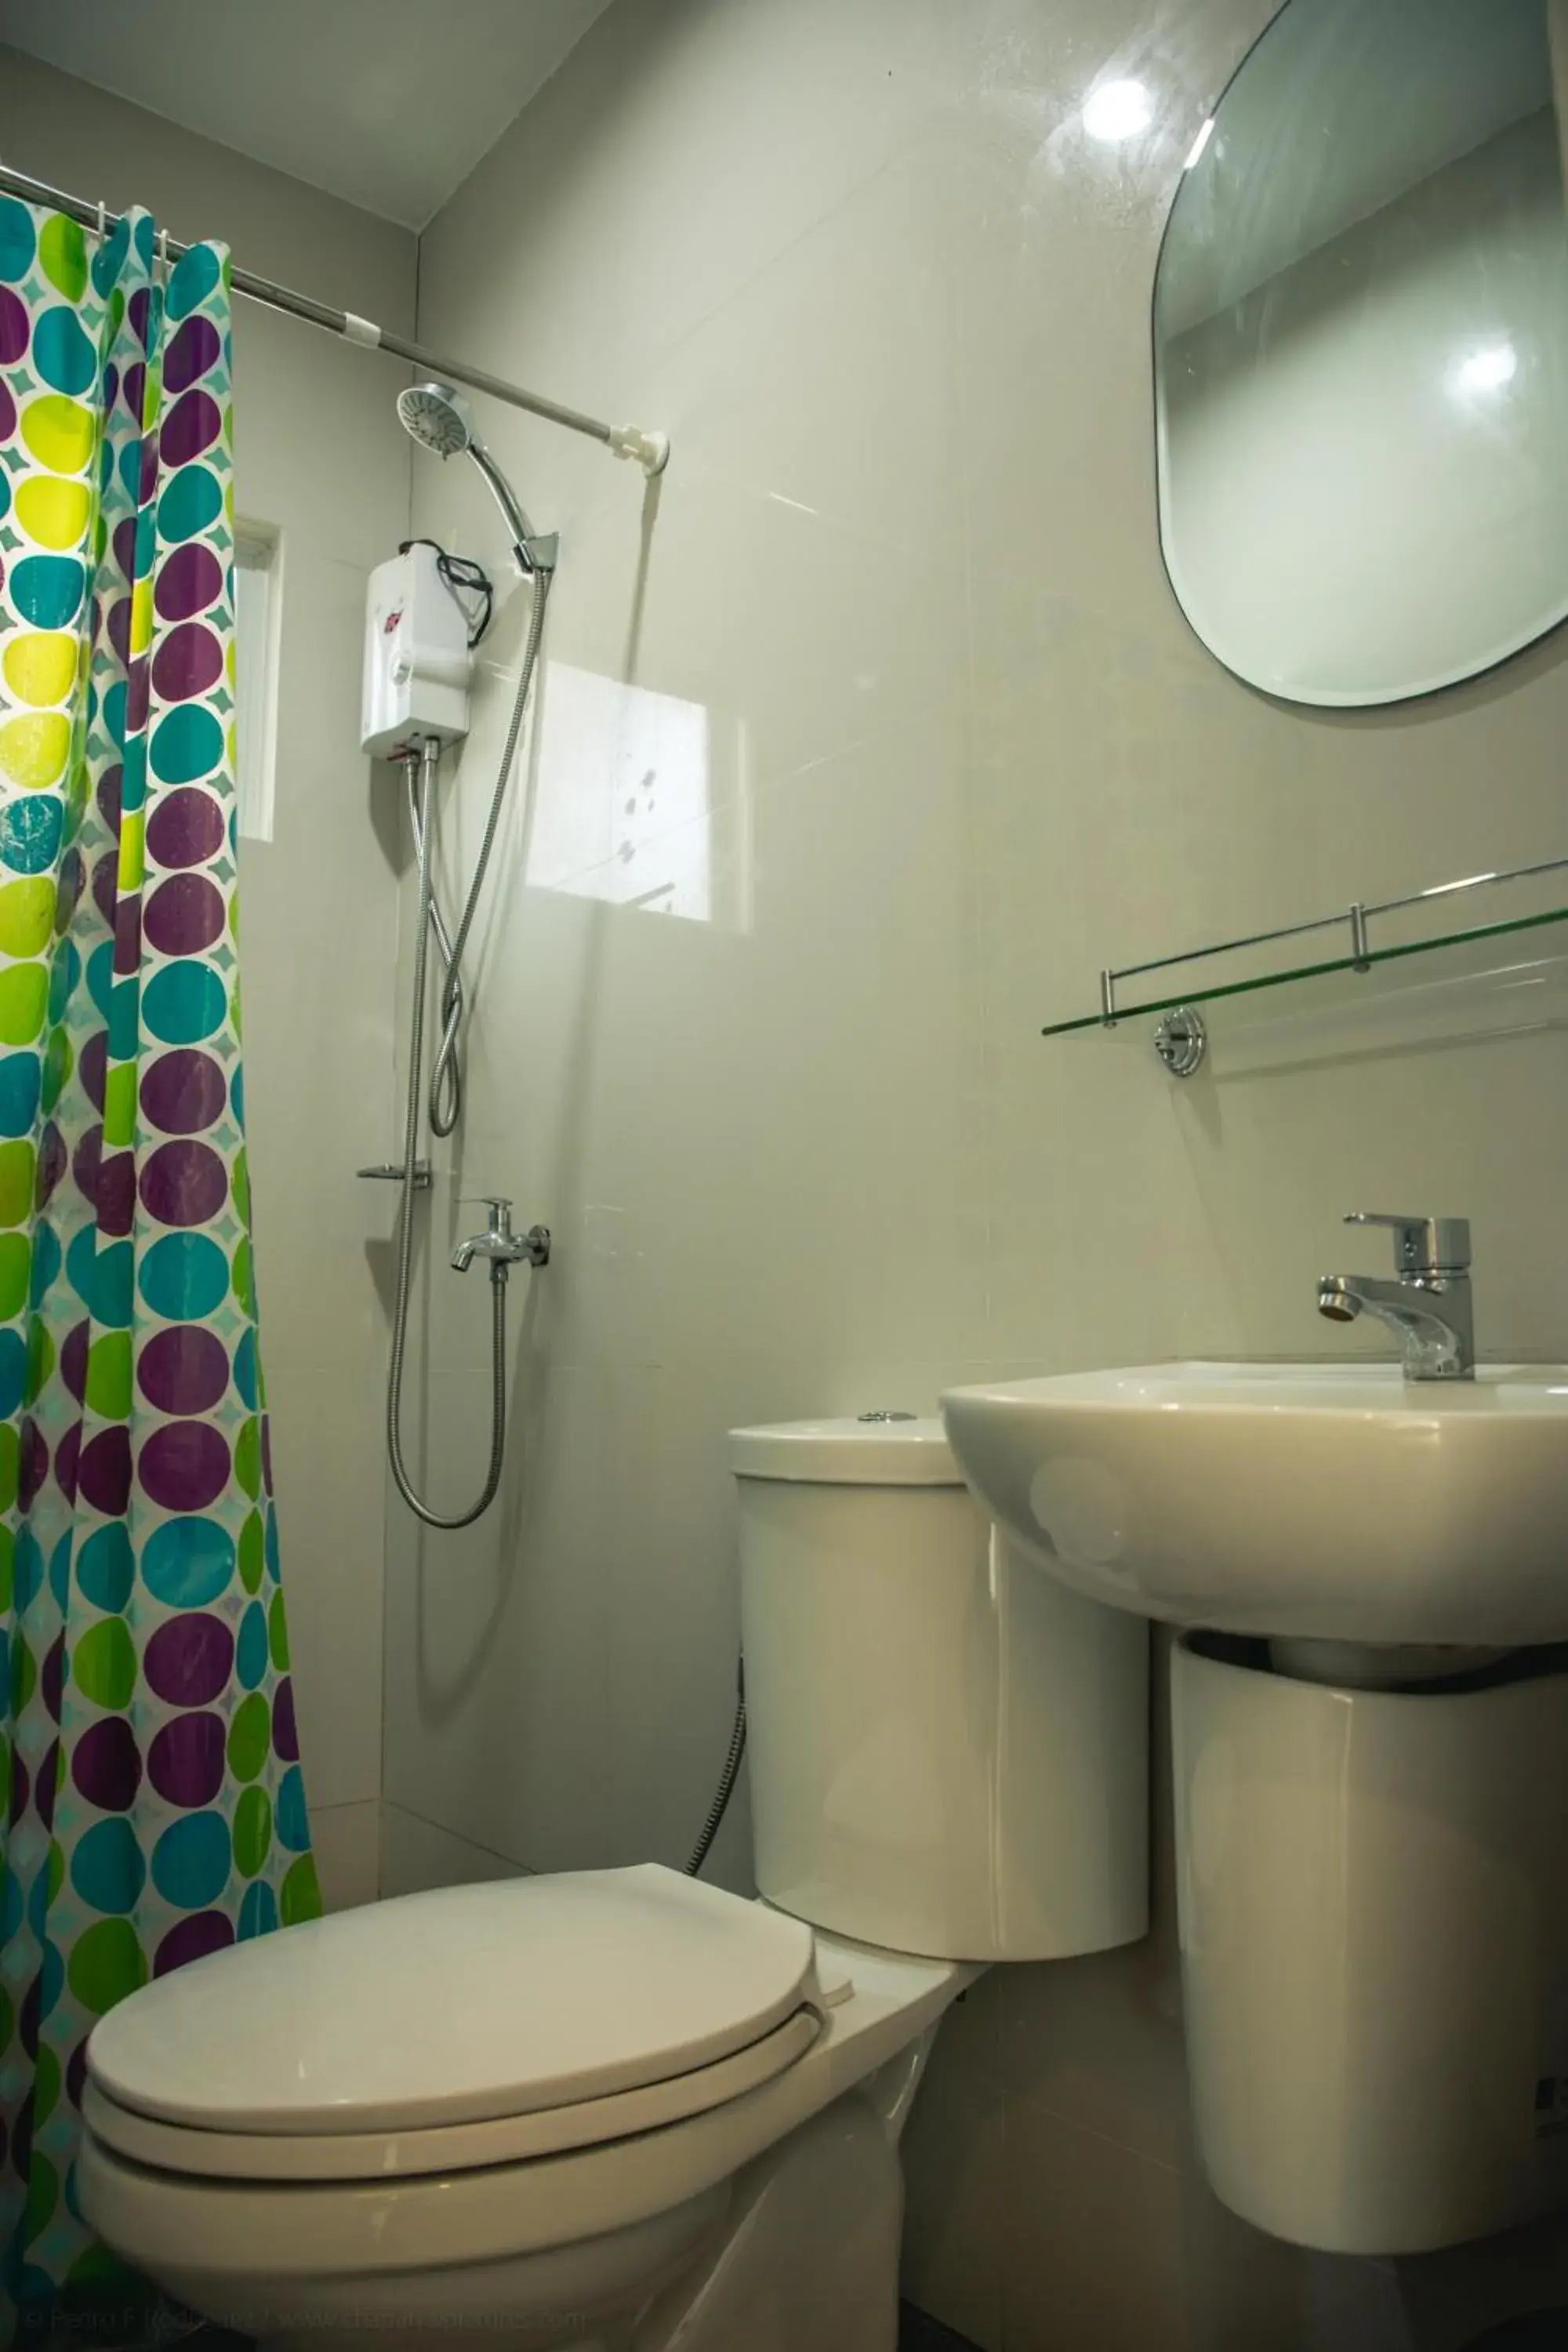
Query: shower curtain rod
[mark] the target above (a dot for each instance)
(651, 450)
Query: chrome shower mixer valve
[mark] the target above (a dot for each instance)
(503, 1248)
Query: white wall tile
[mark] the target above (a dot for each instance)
(1099, 2042)
(1093, 2242)
(346, 1841)
(417, 1854)
(955, 2191)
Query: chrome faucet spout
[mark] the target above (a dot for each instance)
(1436, 1340)
(503, 1248)
(1429, 1307)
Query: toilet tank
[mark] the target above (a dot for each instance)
(949, 1751)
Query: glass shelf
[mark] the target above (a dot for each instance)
(1170, 991)
(1480, 988)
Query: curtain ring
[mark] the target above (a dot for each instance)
(163, 259)
(102, 220)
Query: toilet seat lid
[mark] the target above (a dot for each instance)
(457, 2006)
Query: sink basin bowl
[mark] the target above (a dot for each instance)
(1335, 1502)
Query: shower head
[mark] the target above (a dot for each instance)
(440, 420)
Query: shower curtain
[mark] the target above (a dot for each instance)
(155, 1809)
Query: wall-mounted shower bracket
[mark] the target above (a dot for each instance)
(390, 1171)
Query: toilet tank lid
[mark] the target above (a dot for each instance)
(876, 1451)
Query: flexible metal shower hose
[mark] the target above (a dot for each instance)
(727, 1778)
(446, 1090)
(445, 1074)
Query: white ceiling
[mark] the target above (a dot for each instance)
(387, 103)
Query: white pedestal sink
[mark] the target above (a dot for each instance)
(1336, 1502)
(1373, 1901)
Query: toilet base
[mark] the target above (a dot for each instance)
(579, 2295)
(799, 2252)
(808, 2258)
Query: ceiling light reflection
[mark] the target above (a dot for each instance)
(1484, 370)
(1118, 110)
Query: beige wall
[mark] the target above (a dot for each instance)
(884, 693)
(319, 454)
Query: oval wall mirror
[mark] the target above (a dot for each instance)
(1361, 350)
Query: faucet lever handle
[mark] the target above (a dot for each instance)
(1423, 1245)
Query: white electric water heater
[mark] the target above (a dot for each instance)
(416, 656)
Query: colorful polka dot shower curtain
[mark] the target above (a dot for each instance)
(155, 1808)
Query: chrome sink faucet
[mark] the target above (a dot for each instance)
(1429, 1305)
(503, 1248)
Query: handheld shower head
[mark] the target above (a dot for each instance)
(441, 421)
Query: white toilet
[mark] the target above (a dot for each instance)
(621, 2108)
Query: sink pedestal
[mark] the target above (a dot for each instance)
(1373, 1907)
